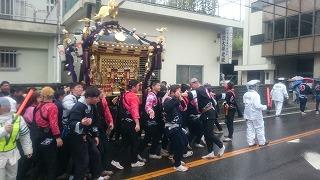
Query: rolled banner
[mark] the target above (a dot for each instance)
(62, 54)
(24, 103)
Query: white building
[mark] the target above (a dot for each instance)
(192, 43)
(253, 65)
(28, 41)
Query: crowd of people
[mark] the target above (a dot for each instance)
(77, 133)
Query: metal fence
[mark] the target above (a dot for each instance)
(22, 11)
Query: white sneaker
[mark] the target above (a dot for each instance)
(137, 164)
(141, 158)
(188, 154)
(209, 156)
(154, 156)
(164, 153)
(104, 178)
(303, 113)
(221, 151)
(317, 112)
(181, 168)
(227, 139)
(116, 164)
(183, 163)
(199, 145)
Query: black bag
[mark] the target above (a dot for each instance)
(37, 133)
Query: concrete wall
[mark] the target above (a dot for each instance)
(35, 59)
(187, 43)
(316, 67)
(32, 64)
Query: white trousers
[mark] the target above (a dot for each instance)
(9, 172)
(278, 106)
(255, 128)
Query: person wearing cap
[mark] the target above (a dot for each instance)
(12, 128)
(253, 114)
(207, 117)
(46, 134)
(278, 93)
(4, 88)
(130, 125)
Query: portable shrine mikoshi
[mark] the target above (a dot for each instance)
(110, 54)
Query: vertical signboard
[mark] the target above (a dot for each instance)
(226, 46)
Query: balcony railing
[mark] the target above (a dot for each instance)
(207, 7)
(67, 5)
(22, 11)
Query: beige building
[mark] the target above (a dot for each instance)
(284, 43)
(28, 41)
(192, 42)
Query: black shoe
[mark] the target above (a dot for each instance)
(265, 144)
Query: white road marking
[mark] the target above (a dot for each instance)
(294, 141)
(296, 112)
(313, 159)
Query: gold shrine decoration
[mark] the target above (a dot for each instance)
(115, 71)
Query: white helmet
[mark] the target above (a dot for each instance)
(253, 84)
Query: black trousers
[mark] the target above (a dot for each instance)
(207, 119)
(46, 157)
(105, 149)
(177, 144)
(196, 130)
(129, 141)
(229, 121)
(153, 135)
(216, 122)
(85, 155)
(303, 103)
(64, 157)
(317, 103)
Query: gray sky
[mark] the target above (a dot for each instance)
(231, 9)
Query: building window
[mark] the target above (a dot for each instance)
(6, 9)
(186, 72)
(279, 29)
(50, 5)
(317, 23)
(256, 6)
(256, 39)
(8, 59)
(292, 26)
(268, 30)
(306, 24)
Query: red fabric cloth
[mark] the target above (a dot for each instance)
(107, 113)
(184, 103)
(50, 112)
(131, 103)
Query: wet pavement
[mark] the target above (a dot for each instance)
(279, 160)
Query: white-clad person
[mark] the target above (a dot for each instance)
(12, 128)
(253, 115)
(278, 93)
